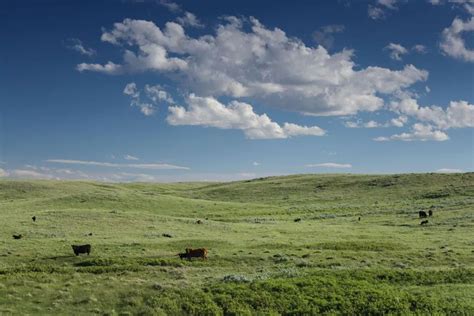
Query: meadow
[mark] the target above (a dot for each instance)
(356, 247)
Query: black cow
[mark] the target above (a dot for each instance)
(430, 213)
(422, 214)
(78, 249)
(19, 236)
(424, 222)
(297, 220)
(183, 255)
(34, 218)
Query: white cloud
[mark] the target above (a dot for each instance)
(236, 115)
(421, 49)
(459, 114)
(3, 173)
(375, 13)
(155, 95)
(76, 44)
(30, 174)
(130, 157)
(396, 51)
(256, 164)
(452, 43)
(330, 165)
(170, 5)
(109, 68)
(189, 19)
(419, 132)
(324, 35)
(397, 122)
(449, 170)
(150, 166)
(390, 4)
(467, 5)
(258, 62)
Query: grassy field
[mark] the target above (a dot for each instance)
(260, 260)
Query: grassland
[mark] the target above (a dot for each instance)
(260, 260)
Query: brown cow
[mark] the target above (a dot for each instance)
(194, 253)
(78, 249)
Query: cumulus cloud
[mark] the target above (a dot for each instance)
(324, 35)
(150, 166)
(452, 42)
(395, 122)
(330, 165)
(396, 51)
(170, 5)
(209, 112)
(419, 132)
(378, 11)
(76, 45)
(189, 19)
(256, 62)
(459, 114)
(256, 163)
(154, 94)
(130, 157)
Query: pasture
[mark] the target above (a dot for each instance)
(261, 261)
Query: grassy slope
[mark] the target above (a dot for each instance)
(260, 259)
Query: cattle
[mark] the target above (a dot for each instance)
(430, 213)
(194, 253)
(34, 218)
(359, 218)
(424, 222)
(198, 221)
(422, 214)
(296, 220)
(166, 235)
(78, 249)
(19, 236)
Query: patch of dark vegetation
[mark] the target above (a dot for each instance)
(358, 246)
(309, 295)
(436, 195)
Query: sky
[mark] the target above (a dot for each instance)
(156, 90)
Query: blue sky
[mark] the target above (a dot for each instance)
(221, 90)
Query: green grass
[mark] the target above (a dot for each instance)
(260, 260)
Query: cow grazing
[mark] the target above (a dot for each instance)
(19, 236)
(78, 249)
(430, 213)
(297, 220)
(359, 218)
(166, 235)
(34, 218)
(424, 222)
(194, 253)
(198, 221)
(422, 214)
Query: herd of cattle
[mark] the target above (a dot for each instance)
(86, 249)
(199, 252)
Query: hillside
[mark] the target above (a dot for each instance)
(357, 246)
